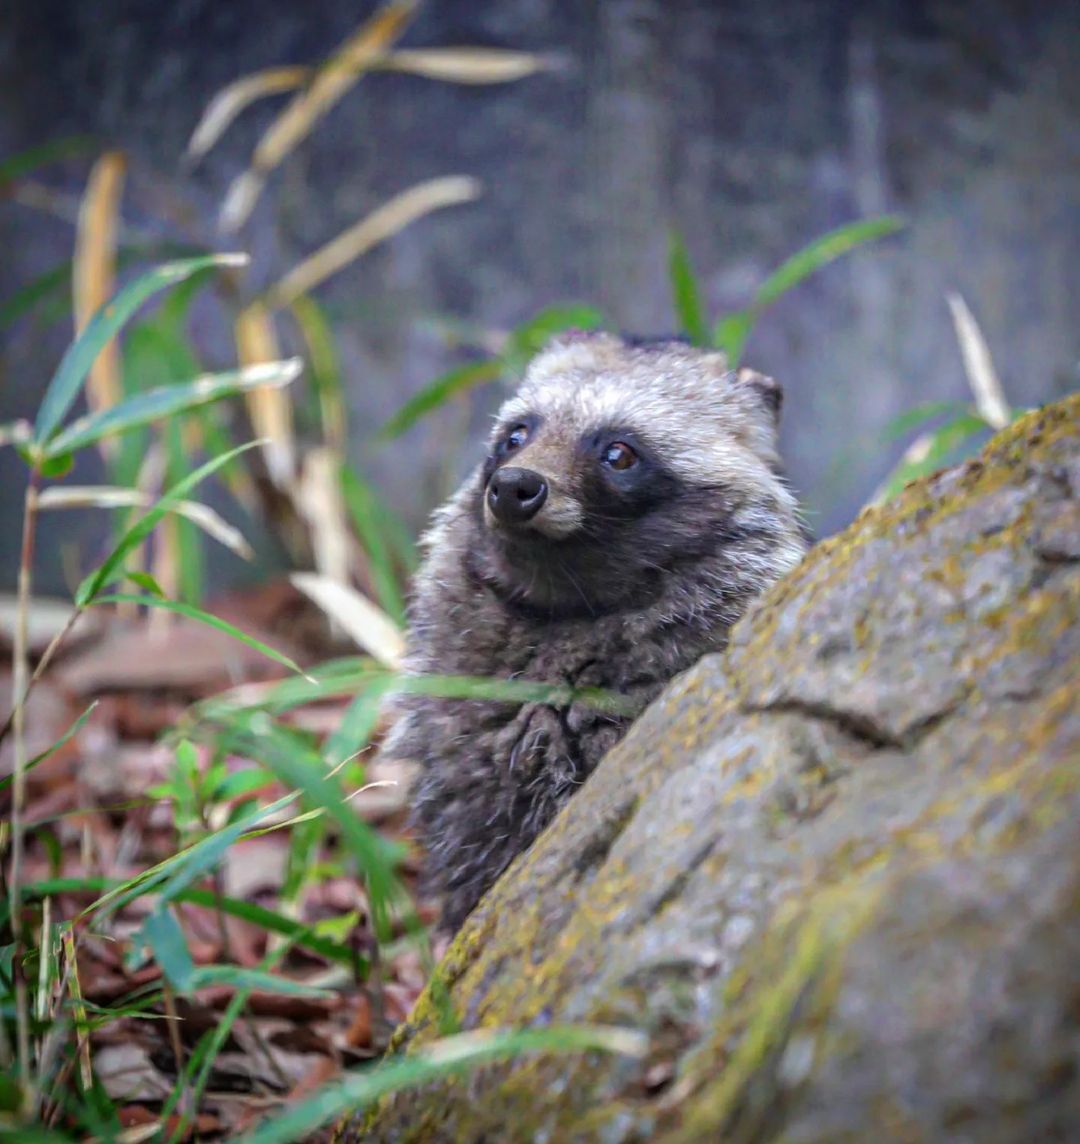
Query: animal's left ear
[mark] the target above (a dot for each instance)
(765, 390)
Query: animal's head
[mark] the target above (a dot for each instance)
(617, 463)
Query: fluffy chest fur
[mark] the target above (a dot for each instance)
(629, 509)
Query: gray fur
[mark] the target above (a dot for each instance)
(601, 589)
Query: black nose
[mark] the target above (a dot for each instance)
(515, 495)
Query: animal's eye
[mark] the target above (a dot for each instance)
(516, 438)
(619, 456)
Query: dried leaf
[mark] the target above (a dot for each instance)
(323, 507)
(467, 65)
(94, 273)
(232, 99)
(367, 625)
(270, 409)
(979, 365)
(329, 84)
(107, 496)
(383, 222)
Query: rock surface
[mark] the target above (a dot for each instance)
(835, 872)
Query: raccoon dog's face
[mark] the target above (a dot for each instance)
(615, 465)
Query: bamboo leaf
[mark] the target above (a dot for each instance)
(81, 354)
(168, 400)
(64, 739)
(142, 528)
(375, 529)
(17, 166)
(357, 725)
(175, 874)
(929, 452)
(324, 372)
(918, 415)
(530, 337)
(237, 977)
(287, 755)
(979, 366)
(439, 392)
(822, 251)
(383, 222)
(162, 933)
(211, 621)
(684, 286)
(730, 335)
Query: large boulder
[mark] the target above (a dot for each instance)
(834, 872)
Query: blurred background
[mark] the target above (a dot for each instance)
(749, 129)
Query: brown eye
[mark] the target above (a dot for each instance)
(619, 456)
(518, 436)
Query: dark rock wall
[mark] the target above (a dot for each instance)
(751, 127)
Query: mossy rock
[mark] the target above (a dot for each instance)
(834, 873)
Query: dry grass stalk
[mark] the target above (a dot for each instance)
(979, 365)
(329, 84)
(109, 496)
(269, 408)
(451, 65)
(94, 274)
(383, 222)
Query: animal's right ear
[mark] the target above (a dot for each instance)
(766, 391)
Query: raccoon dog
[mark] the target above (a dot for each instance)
(630, 507)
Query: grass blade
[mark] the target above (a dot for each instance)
(822, 251)
(142, 528)
(17, 166)
(57, 281)
(528, 339)
(730, 335)
(440, 391)
(687, 296)
(102, 327)
(64, 739)
(175, 874)
(917, 416)
(378, 532)
(193, 613)
(107, 496)
(357, 725)
(324, 372)
(383, 222)
(296, 766)
(169, 400)
(450, 1056)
